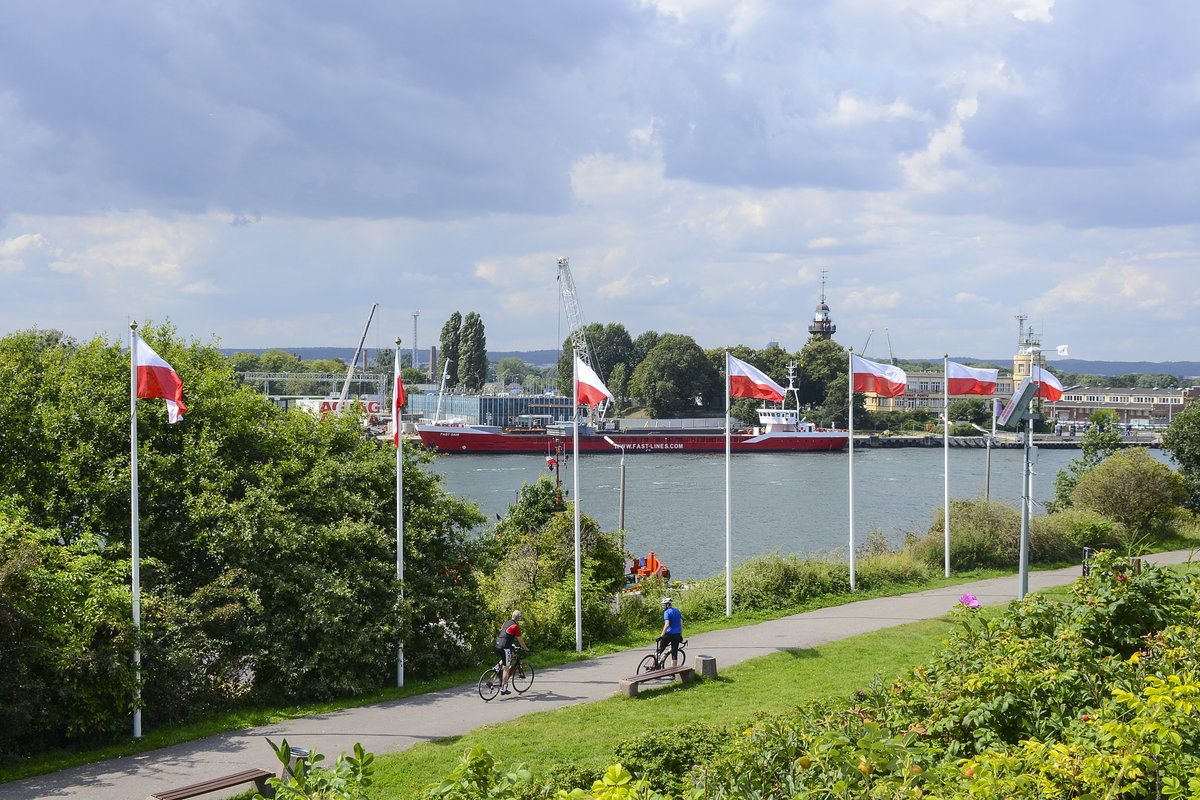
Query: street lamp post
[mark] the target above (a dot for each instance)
(621, 505)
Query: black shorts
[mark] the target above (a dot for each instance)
(505, 655)
(672, 639)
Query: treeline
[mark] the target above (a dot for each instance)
(267, 543)
(268, 551)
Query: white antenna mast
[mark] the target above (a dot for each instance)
(414, 358)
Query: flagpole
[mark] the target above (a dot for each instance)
(987, 474)
(946, 454)
(134, 549)
(399, 509)
(575, 478)
(850, 411)
(728, 527)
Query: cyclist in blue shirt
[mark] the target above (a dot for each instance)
(672, 632)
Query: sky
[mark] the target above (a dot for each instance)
(259, 174)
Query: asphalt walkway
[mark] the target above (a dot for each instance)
(397, 725)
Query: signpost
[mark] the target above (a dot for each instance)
(1020, 408)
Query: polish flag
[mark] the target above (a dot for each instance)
(156, 378)
(398, 400)
(748, 381)
(885, 380)
(589, 389)
(962, 379)
(1048, 385)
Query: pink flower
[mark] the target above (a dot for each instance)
(970, 601)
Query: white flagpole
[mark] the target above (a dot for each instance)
(399, 510)
(946, 454)
(850, 409)
(134, 549)
(987, 475)
(728, 527)
(575, 478)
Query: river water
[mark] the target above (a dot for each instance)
(787, 502)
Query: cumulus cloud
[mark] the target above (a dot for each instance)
(700, 162)
(13, 251)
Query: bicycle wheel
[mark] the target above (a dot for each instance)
(649, 664)
(489, 684)
(522, 679)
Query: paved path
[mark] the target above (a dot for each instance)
(399, 724)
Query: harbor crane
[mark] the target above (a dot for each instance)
(570, 302)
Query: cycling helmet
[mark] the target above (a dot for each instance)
(516, 615)
(666, 601)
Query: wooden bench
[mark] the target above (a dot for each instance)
(629, 686)
(256, 776)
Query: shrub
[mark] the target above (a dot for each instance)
(982, 535)
(1061, 536)
(1132, 488)
(67, 639)
(1093, 698)
(665, 756)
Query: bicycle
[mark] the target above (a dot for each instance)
(522, 676)
(658, 659)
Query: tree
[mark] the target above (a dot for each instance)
(1104, 419)
(449, 348)
(642, 346)
(674, 377)
(618, 384)
(773, 361)
(1182, 441)
(822, 361)
(244, 500)
(971, 409)
(609, 345)
(1095, 446)
(511, 370)
(472, 354)
(1131, 488)
(534, 557)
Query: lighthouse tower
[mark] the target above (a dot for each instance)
(822, 326)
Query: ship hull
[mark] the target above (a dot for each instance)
(482, 439)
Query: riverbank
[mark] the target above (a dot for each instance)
(1004, 440)
(397, 725)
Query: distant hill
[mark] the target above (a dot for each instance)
(1185, 369)
(538, 358)
(543, 358)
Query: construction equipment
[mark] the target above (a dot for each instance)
(891, 355)
(570, 302)
(354, 361)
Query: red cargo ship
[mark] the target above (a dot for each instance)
(779, 431)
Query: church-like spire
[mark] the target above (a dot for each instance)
(822, 326)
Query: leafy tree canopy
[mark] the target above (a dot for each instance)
(1182, 441)
(675, 377)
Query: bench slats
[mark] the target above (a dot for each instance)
(257, 776)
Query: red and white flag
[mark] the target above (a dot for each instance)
(398, 400)
(749, 381)
(156, 378)
(961, 379)
(589, 389)
(885, 380)
(1048, 385)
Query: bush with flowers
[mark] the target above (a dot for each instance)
(1095, 697)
